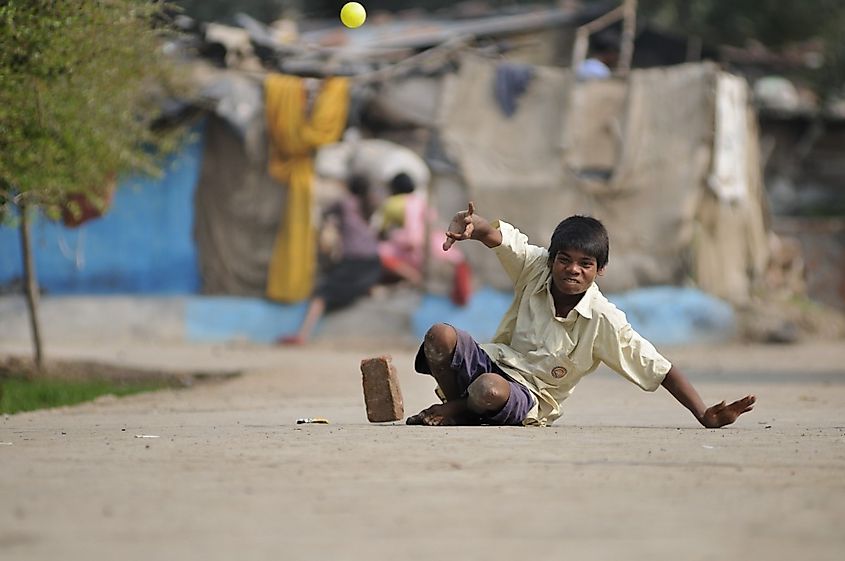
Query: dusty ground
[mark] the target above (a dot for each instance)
(625, 475)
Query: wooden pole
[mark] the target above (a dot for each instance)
(31, 287)
(582, 44)
(629, 29)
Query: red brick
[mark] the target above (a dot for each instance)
(382, 395)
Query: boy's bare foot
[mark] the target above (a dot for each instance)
(449, 414)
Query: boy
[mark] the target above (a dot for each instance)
(557, 330)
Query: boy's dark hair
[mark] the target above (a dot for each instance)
(402, 184)
(584, 233)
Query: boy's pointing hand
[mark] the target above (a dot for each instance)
(461, 227)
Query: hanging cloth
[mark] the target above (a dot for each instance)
(293, 138)
(511, 81)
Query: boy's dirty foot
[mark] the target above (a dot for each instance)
(449, 414)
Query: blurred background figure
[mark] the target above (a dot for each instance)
(408, 228)
(604, 55)
(349, 261)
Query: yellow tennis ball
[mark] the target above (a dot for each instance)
(353, 15)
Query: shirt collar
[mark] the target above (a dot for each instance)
(583, 307)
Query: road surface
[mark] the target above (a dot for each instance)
(625, 474)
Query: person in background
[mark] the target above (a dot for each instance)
(349, 258)
(604, 55)
(403, 222)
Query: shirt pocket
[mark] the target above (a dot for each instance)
(554, 372)
(563, 370)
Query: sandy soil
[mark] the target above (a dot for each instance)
(624, 475)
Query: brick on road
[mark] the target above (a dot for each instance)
(382, 395)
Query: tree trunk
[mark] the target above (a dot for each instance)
(31, 288)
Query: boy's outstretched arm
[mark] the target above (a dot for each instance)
(466, 225)
(713, 417)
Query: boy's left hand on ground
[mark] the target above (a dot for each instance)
(720, 414)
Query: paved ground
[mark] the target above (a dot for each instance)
(625, 475)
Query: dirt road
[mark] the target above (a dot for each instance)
(624, 475)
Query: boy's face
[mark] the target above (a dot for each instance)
(573, 271)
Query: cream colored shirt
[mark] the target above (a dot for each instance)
(548, 354)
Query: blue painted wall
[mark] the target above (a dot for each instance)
(214, 319)
(144, 244)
